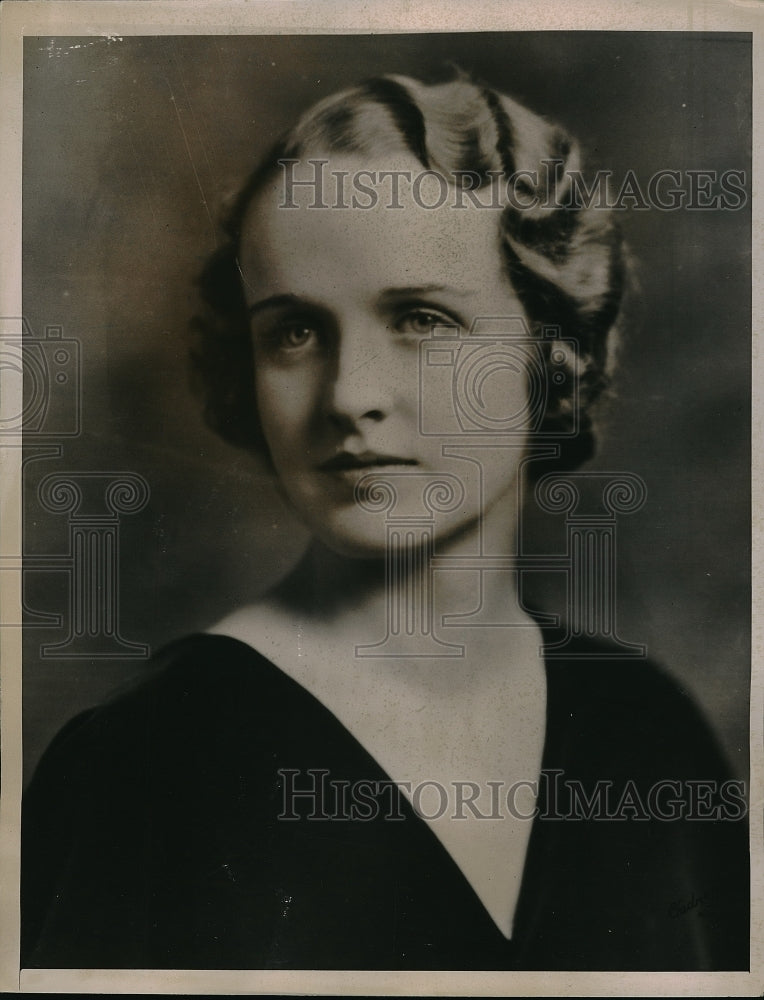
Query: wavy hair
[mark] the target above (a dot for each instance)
(565, 260)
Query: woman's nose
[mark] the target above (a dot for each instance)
(361, 386)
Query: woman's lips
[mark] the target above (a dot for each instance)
(347, 469)
(366, 461)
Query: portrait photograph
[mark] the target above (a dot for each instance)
(379, 549)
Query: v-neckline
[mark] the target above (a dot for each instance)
(441, 857)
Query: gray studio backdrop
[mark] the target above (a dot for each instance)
(130, 147)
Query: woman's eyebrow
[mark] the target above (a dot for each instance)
(412, 291)
(393, 293)
(273, 302)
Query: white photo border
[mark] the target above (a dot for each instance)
(171, 17)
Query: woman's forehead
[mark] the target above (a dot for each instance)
(381, 224)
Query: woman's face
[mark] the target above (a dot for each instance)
(342, 303)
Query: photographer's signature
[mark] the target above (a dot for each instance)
(681, 907)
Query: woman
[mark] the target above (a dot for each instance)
(383, 763)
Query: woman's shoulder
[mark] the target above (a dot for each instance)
(193, 689)
(599, 673)
(196, 667)
(630, 709)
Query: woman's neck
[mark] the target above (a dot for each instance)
(332, 588)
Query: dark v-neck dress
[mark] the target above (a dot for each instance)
(154, 834)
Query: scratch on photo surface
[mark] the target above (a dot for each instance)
(57, 51)
(191, 159)
(139, 165)
(194, 116)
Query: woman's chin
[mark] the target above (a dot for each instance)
(351, 533)
(354, 544)
(358, 534)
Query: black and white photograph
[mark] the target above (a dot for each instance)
(377, 449)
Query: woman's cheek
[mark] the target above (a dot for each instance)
(287, 407)
(271, 414)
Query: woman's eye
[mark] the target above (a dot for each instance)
(288, 340)
(297, 336)
(292, 337)
(422, 322)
